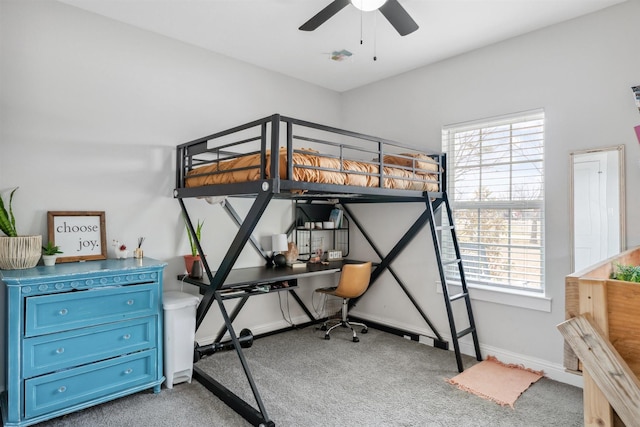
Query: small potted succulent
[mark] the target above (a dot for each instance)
(50, 254)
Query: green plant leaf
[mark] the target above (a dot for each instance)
(192, 243)
(7, 219)
(628, 273)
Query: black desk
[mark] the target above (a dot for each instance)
(255, 276)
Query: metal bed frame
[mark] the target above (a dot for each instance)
(277, 132)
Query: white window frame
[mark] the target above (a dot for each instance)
(511, 295)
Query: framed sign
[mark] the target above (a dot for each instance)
(79, 235)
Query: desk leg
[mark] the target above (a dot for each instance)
(256, 417)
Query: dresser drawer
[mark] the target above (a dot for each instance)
(74, 386)
(49, 353)
(70, 310)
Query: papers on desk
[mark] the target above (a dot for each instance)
(297, 264)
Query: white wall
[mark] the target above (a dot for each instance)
(580, 72)
(91, 112)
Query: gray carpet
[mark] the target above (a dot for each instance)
(304, 380)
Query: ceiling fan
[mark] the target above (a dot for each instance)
(391, 9)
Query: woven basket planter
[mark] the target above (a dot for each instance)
(17, 253)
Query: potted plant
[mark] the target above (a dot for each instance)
(194, 256)
(50, 254)
(16, 252)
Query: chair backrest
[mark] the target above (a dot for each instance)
(354, 280)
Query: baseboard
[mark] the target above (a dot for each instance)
(551, 370)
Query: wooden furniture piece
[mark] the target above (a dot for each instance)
(613, 305)
(609, 371)
(623, 305)
(79, 335)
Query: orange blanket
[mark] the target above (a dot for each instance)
(406, 172)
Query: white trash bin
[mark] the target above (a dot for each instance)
(179, 335)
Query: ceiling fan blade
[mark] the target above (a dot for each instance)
(321, 17)
(398, 17)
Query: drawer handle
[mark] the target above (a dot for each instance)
(60, 350)
(126, 336)
(130, 302)
(63, 312)
(62, 389)
(128, 371)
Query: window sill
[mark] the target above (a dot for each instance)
(511, 297)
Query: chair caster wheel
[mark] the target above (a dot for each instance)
(327, 337)
(323, 327)
(364, 331)
(356, 339)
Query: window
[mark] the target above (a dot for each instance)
(495, 172)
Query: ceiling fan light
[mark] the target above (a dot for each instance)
(368, 5)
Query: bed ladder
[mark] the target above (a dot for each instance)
(434, 202)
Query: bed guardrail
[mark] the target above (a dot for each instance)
(242, 154)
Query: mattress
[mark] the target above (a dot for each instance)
(404, 171)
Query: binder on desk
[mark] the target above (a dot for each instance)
(336, 217)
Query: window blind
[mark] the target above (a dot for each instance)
(495, 171)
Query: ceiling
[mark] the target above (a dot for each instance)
(265, 32)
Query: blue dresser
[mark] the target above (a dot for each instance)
(80, 334)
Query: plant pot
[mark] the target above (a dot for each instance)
(49, 260)
(188, 262)
(17, 253)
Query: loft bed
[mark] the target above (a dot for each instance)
(316, 164)
(357, 166)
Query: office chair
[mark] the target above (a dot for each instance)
(354, 281)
